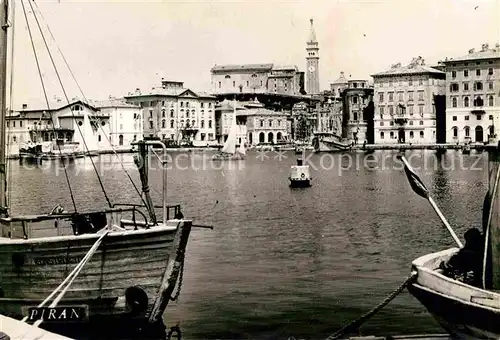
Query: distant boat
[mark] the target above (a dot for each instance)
(329, 142)
(299, 175)
(229, 151)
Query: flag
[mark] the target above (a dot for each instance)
(416, 184)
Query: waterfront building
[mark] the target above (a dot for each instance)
(264, 125)
(312, 63)
(69, 125)
(357, 118)
(405, 110)
(473, 96)
(223, 121)
(172, 112)
(125, 122)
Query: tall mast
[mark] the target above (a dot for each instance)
(4, 15)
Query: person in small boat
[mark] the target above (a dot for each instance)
(467, 264)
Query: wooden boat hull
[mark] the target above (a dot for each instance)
(329, 142)
(31, 269)
(466, 312)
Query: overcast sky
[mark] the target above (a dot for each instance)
(114, 47)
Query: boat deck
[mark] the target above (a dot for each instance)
(18, 330)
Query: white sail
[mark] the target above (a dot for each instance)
(230, 144)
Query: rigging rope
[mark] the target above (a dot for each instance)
(358, 322)
(71, 109)
(48, 105)
(8, 168)
(86, 100)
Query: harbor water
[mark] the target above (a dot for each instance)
(287, 263)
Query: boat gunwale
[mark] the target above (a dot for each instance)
(420, 265)
(62, 238)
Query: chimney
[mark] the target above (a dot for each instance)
(25, 106)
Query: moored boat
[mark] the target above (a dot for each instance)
(229, 150)
(299, 175)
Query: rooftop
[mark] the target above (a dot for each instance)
(417, 66)
(242, 67)
(484, 53)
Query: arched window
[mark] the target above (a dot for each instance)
(172, 124)
(478, 101)
(210, 124)
(490, 101)
(171, 113)
(455, 131)
(381, 135)
(454, 102)
(163, 124)
(467, 131)
(202, 124)
(162, 113)
(227, 77)
(193, 122)
(421, 134)
(391, 134)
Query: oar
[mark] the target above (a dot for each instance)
(418, 186)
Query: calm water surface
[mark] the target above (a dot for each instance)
(285, 262)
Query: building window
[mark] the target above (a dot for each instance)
(163, 124)
(454, 102)
(382, 135)
(391, 110)
(466, 73)
(490, 71)
(466, 117)
(381, 97)
(467, 131)
(381, 110)
(454, 118)
(466, 86)
(354, 100)
(453, 74)
(410, 95)
(270, 123)
(410, 109)
(401, 96)
(261, 123)
(202, 124)
(478, 86)
(490, 101)
(390, 97)
(420, 82)
(455, 132)
(172, 124)
(411, 122)
(220, 84)
(478, 72)
(150, 125)
(421, 122)
(381, 123)
(391, 123)
(490, 117)
(490, 85)
(478, 101)
(454, 87)
(410, 82)
(421, 95)
(421, 109)
(171, 113)
(209, 124)
(234, 83)
(391, 134)
(421, 134)
(466, 102)
(411, 134)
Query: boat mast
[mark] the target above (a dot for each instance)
(4, 16)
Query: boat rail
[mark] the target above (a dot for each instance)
(26, 226)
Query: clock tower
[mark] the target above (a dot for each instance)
(312, 61)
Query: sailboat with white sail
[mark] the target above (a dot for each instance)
(229, 150)
(120, 260)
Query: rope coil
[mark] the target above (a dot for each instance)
(358, 322)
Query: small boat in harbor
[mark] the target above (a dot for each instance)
(460, 287)
(299, 175)
(229, 151)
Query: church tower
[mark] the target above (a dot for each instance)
(312, 61)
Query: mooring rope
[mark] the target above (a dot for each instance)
(358, 322)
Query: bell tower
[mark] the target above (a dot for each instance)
(312, 62)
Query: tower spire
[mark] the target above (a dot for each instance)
(312, 33)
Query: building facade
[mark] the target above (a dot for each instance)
(172, 112)
(224, 118)
(125, 120)
(356, 99)
(264, 125)
(404, 103)
(339, 85)
(257, 78)
(71, 127)
(473, 96)
(312, 62)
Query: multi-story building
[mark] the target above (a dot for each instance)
(257, 78)
(264, 125)
(357, 121)
(312, 62)
(404, 103)
(76, 126)
(339, 85)
(224, 118)
(473, 96)
(175, 113)
(125, 123)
